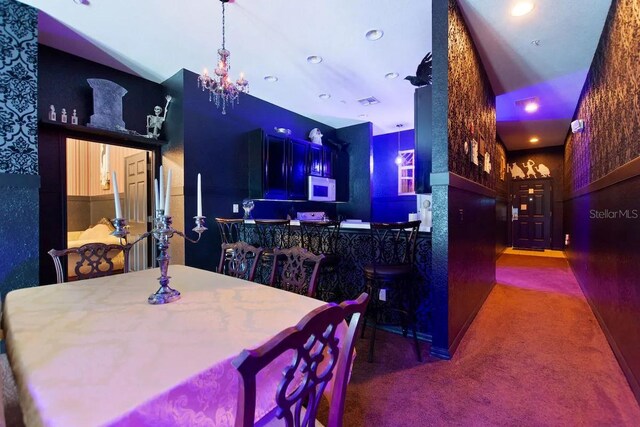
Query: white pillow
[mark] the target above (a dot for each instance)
(96, 233)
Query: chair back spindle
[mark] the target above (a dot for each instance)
(319, 357)
(239, 260)
(296, 270)
(93, 260)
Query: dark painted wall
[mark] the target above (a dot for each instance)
(386, 205)
(359, 139)
(551, 158)
(464, 208)
(602, 187)
(216, 145)
(63, 83)
(19, 180)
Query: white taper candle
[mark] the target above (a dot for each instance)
(156, 193)
(161, 199)
(116, 195)
(167, 195)
(199, 195)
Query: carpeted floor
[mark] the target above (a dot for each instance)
(535, 355)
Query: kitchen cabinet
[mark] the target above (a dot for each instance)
(279, 165)
(321, 160)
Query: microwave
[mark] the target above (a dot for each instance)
(322, 189)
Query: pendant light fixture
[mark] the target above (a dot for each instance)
(221, 89)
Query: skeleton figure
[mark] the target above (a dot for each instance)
(154, 123)
(529, 166)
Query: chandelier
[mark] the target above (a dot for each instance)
(221, 89)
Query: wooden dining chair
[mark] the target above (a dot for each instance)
(239, 260)
(91, 260)
(295, 270)
(318, 357)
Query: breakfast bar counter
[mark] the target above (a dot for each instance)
(354, 249)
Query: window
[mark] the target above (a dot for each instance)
(406, 170)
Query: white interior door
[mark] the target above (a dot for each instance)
(135, 197)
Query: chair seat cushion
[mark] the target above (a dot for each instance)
(387, 271)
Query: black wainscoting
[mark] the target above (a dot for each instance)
(604, 254)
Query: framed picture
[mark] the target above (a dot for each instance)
(481, 145)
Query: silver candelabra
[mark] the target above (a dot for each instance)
(162, 232)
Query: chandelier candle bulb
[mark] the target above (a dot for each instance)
(199, 195)
(167, 195)
(116, 195)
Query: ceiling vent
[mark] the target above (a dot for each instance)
(369, 101)
(526, 101)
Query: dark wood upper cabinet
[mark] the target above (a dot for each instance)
(279, 165)
(298, 169)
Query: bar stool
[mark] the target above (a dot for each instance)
(321, 238)
(272, 234)
(388, 277)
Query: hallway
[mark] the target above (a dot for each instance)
(534, 355)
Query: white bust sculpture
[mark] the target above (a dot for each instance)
(315, 136)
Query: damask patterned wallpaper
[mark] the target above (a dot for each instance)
(472, 112)
(18, 88)
(610, 102)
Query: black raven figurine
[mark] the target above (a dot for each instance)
(423, 73)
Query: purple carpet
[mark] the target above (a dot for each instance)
(534, 355)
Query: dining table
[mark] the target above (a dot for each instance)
(95, 353)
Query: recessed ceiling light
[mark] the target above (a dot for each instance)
(271, 79)
(374, 35)
(531, 107)
(521, 8)
(534, 139)
(314, 59)
(391, 76)
(324, 96)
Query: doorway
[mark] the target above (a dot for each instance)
(90, 198)
(531, 214)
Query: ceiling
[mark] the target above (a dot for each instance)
(554, 70)
(155, 40)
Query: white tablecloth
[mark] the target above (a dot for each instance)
(96, 353)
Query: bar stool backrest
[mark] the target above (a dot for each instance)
(320, 237)
(273, 233)
(394, 243)
(230, 229)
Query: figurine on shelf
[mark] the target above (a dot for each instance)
(74, 118)
(154, 123)
(487, 163)
(63, 116)
(315, 136)
(52, 113)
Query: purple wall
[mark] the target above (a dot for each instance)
(386, 205)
